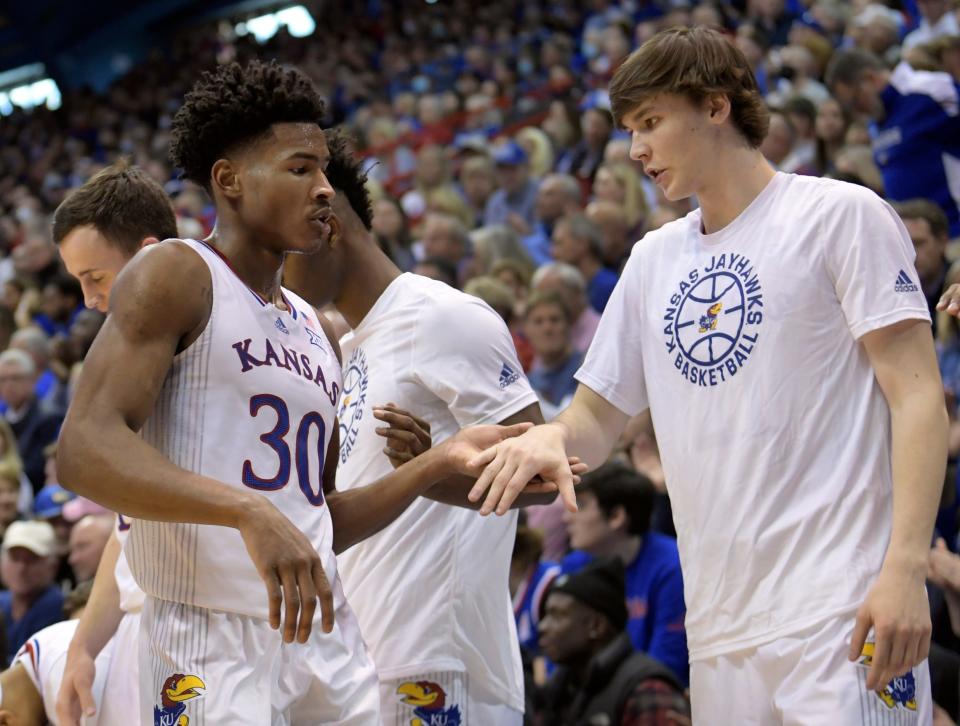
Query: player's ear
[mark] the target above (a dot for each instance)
(224, 177)
(619, 519)
(718, 105)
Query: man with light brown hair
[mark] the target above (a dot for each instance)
(783, 347)
(101, 225)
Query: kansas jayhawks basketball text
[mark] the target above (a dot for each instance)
(712, 322)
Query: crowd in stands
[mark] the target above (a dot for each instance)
(496, 168)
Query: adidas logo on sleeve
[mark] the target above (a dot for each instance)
(904, 283)
(507, 376)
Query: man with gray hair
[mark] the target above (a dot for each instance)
(559, 194)
(444, 237)
(49, 388)
(579, 242)
(34, 424)
(567, 282)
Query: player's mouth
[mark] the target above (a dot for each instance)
(324, 220)
(656, 175)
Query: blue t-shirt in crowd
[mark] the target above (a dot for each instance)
(655, 606)
(46, 610)
(529, 600)
(555, 384)
(917, 145)
(600, 288)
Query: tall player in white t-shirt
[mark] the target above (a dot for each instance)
(234, 383)
(783, 346)
(99, 227)
(431, 591)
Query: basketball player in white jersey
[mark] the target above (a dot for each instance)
(99, 227)
(430, 591)
(28, 689)
(781, 341)
(233, 383)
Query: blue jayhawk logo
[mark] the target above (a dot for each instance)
(901, 691)
(176, 691)
(428, 700)
(709, 321)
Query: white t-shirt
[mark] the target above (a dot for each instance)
(774, 434)
(431, 591)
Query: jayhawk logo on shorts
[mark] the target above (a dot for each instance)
(901, 691)
(176, 691)
(428, 700)
(709, 321)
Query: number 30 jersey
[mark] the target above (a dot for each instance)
(251, 403)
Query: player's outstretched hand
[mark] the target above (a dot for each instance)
(75, 697)
(511, 464)
(291, 569)
(897, 609)
(407, 435)
(950, 301)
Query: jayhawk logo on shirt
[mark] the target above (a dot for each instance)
(428, 700)
(176, 691)
(901, 691)
(709, 321)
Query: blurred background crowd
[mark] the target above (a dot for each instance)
(495, 167)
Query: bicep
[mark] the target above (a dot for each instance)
(904, 360)
(159, 301)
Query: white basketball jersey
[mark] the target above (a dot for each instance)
(251, 403)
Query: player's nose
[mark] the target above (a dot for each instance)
(322, 188)
(639, 149)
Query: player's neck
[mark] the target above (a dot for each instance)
(369, 275)
(722, 201)
(259, 268)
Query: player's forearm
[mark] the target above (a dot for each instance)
(107, 462)
(102, 613)
(454, 489)
(919, 447)
(364, 511)
(585, 430)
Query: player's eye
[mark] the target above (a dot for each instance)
(651, 122)
(299, 170)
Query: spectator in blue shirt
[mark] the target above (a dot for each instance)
(513, 203)
(530, 578)
(579, 242)
(547, 325)
(615, 505)
(915, 130)
(27, 567)
(559, 194)
(62, 301)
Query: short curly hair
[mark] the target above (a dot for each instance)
(234, 106)
(345, 173)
